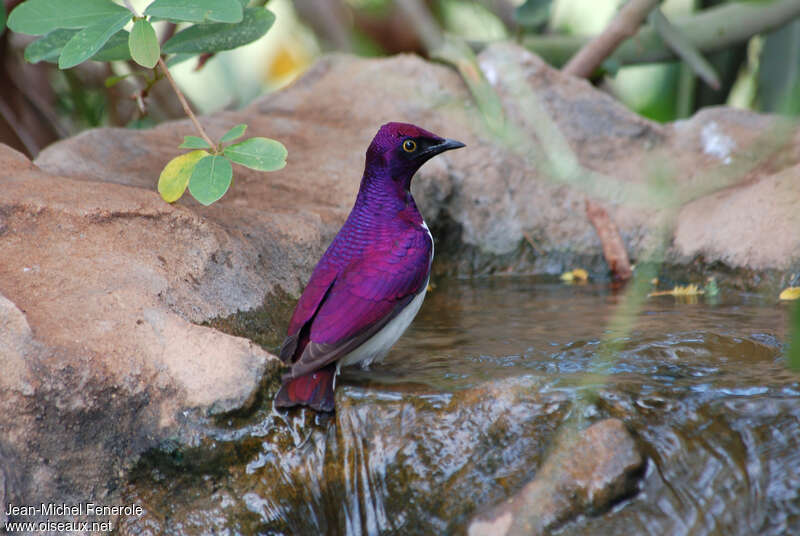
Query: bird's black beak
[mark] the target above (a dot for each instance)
(442, 146)
(448, 144)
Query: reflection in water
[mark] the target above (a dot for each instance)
(463, 411)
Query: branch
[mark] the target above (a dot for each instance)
(708, 31)
(613, 248)
(185, 104)
(624, 25)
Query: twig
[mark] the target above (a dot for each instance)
(684, 48)
(186, 108)
(710, 30)
(613, 248)
(623, 26)
(184, 103)
(530, 241)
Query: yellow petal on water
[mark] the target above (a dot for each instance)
(791, 293)
(678, 290)
(578, 275)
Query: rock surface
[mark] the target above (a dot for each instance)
(99, 284)
(495, 206)
(586, 472)
(103, 283)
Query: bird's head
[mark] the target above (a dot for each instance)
(399, 149)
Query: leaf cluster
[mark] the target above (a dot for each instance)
(79, 30)
(75, 31)
(208, 175)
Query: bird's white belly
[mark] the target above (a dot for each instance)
(376, 348)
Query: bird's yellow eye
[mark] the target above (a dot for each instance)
(409, 146)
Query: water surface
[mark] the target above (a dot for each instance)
(463, 410)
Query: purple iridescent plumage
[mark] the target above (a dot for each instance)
(374, 268)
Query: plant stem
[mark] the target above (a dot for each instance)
(710, 30)
(178, 92)
(185, 104)
(624, 25)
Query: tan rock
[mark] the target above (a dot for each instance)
(99, 284)
(483, 201)
(586, 472)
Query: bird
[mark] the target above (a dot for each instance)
(371, 281)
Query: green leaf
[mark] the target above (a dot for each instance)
(112, 81)
(89, 41)
(143, 44)
(244, 3)
(141, 124)
(194, 142)
(262, 154)
(216, 37)
(48, 48)
(211, 178)
(234, 133)
(39, 17)
(116, 49)
(533, 13)
(196, 10)
(175, 176)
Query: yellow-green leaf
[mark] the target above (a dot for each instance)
(791, 293)
(176, 174)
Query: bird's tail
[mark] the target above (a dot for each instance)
(314, 389)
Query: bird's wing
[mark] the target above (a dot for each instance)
(366, 295)
(315, 292)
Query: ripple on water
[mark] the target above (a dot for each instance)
(465, 408)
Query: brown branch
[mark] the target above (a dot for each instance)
(613, 247)
(623, 26)
(184, 103)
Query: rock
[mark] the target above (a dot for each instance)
(99, 285)
(586, 472)
(490, 203)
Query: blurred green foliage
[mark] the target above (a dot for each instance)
(73, 32)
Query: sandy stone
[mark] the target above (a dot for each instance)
(488, 202)
(99, 286)
(586, 472)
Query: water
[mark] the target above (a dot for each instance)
(464, 409)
